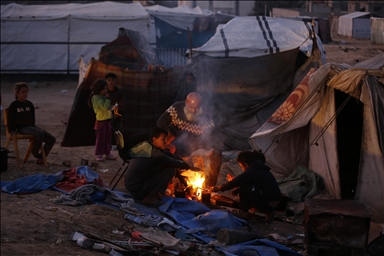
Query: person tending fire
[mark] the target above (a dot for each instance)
(193, 127)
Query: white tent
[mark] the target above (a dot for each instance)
(308, 130)
(355, 24)
(253, 36)
(51, 38)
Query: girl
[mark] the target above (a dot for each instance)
(101, 104)
(21, 119)
(256, 185)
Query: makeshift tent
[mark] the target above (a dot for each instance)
(241, 92)
(51, 38)
(355, 24)
(340, 138)
(131, 49)
(169, 31)
(259, 35)
(377, 28)
(147, 95)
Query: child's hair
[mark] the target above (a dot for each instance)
(96, 88)
(18, 87)
(155, 132)
(171, 131)
(249, 157)
(110, 75)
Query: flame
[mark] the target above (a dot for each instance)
(194, 179)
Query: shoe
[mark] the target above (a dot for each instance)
(269, 217)
(152, 199)
(99, 158)
(39, 161)
(111, 157)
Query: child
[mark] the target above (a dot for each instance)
(116, 96)
(256, 185)
(152, 167)
(21, 119)
(101, 104)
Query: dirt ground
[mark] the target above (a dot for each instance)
(32, 224)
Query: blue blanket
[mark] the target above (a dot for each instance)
(192, 216)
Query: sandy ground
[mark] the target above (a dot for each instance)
(33, 225)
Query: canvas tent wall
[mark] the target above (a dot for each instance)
(259, 35)
(377, 30)
(305, 130)
(356, 25)
(51, 38)
(169, 31)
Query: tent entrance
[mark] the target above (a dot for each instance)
(349, 132)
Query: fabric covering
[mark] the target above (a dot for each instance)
(241, 92)
(258, 247)
(312, 123)
(51, 38)
(259, 35)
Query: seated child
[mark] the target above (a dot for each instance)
(256, 186)
(151, 168)
(21, 119)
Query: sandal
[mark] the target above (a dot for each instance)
(99, 158)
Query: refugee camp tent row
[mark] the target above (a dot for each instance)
(51, 38)
(333, 123)
(355, 25)
(240, 92)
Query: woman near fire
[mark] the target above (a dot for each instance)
(256, 186)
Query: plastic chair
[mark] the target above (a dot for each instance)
(15, 138)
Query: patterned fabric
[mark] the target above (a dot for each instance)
(293, 102)
(187, 126)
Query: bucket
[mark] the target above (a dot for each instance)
(4, 159)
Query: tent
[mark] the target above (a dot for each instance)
(169, 31)
(259, 35)
(333, 123)
(172, 24)
(51, 38)
(356, 25)
(131, 49)
(377, 28)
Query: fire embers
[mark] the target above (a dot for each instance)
(194, 188)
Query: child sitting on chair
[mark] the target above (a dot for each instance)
(101, 104)
(21, 119)
(256, 186)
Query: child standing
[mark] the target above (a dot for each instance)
(256, 186)
(21, 119)
(101, 104)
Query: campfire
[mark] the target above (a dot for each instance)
(195, 181)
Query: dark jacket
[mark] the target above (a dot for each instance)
(20, 114)
(260, 177)
(146, 160)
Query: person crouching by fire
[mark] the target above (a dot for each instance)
(256, 186)
(194, 130)
(151, 168)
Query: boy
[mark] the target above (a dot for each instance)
(256, 185)
(151, 168)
